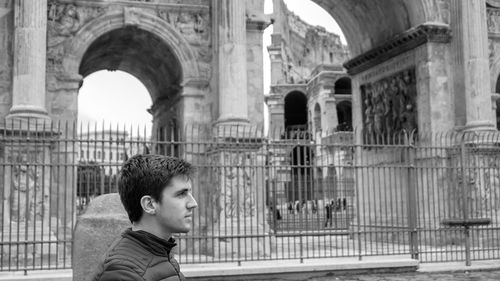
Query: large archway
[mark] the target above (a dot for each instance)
(141, 44)
(367, 24)
(140, 53)
(148, 58)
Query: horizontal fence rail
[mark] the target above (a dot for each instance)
(292, 194)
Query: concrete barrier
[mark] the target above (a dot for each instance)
(102, 222)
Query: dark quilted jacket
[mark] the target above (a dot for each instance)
(139, 255)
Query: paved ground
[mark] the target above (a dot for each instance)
(454, 276)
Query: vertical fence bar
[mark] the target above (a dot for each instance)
(465, 199)
(412, 201)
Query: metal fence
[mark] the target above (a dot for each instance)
(280, 195)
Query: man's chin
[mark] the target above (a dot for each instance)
(184, 230)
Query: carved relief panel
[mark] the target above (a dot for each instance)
(63, 21)
(389, 104)
(493, 20)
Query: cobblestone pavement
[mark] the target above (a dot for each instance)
(452, 276)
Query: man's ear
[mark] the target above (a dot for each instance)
(148, 204)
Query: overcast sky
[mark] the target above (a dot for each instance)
(119, 98)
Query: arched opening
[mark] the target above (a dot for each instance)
(344, 115)
(296, 111)
(301, 188)
(498, 114)
(114, 97)
(317, 118)
(343, 86)
(148, 58)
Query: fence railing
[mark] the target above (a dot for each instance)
(435, 197)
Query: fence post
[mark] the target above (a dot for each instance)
(412, 197)
(465, 198)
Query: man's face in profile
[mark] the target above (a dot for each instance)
(175, 209)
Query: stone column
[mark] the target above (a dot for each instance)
(30, 44)
(470, 43)
(330, 120)
(232, 61)
(256, 23)
(276, 115)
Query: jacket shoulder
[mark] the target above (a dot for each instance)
(125, 260)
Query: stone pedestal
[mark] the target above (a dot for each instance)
(26, 193)
(240, 219)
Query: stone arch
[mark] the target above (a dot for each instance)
(343, 86)
(357, 18)
(97, 27)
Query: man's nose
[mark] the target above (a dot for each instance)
(192, 202)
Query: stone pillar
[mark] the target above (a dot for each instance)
(232, 61)
(256, 22)
(30, 44)
(276, 60)
(330, 119)
(192, 103)
(470, 43)
(276, 115)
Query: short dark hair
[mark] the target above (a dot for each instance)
(148, 174)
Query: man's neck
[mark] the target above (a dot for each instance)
(150, 228)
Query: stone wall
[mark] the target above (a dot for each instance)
(304, 46)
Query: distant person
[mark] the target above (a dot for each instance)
(328, 214)
(157, 195)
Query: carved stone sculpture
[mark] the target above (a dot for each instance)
(389, 104)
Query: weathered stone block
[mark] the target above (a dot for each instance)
(102, 222)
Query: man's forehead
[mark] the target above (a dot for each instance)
(180, 182)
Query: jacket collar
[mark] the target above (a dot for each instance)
(152, 243)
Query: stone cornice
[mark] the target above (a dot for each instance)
(284, 89)
(408, 40)
(191, 6)
(255, 23)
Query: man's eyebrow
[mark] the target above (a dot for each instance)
(183, 190)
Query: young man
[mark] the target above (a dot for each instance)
(156, 193)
